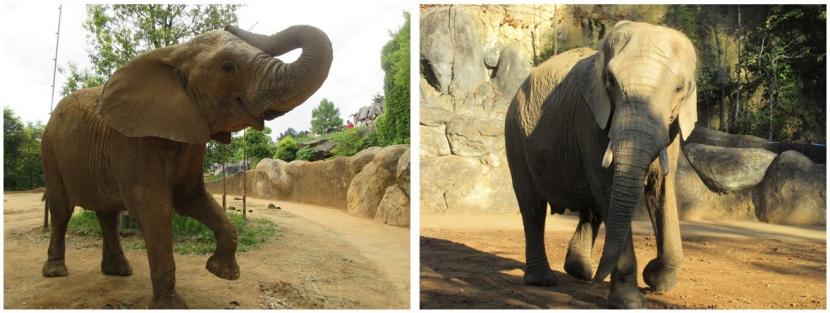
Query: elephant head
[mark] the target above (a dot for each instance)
(216, 83)
(642, 91)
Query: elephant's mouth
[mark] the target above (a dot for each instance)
(257, 122)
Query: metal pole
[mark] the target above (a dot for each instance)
(224, 192)
(54, 71)
(244, 176)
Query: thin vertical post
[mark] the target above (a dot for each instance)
(244, 176)
(224, 190)
(51, 101)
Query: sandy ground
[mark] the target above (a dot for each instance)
(477, 262)
(321, 258)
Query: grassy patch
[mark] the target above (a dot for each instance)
(189, 236)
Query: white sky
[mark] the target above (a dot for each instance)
(357, 31)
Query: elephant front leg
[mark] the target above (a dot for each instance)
(206, 210)
(113, 261)
(661, 272)
(624, 292)
(578, 259)
(156, 226)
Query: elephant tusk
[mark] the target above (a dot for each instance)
(664, 161)
(608, 157)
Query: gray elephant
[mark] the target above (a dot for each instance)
(594, 132)
(138, 143)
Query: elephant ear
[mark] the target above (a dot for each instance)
(687, 115)
(147, 97)
(594, 91)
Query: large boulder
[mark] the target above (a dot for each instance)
(512, 70)
(402, 176)
(271, 179)
(451, 56)
(322, 183)
(368, 187)
(475, 136)
(696, 201)
(729, 169)
(462, 185)
(793, 191)
(393, 208)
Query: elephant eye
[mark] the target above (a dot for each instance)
(228, 67)
(610, 80)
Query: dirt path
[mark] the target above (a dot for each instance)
(321, 258)
(477, 262)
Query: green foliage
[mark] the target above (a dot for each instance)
(257, 145)
(286, 149)
(120, 32)
(288, 132)
(189, 235)
(348, 142)
(305, 153)
(216, 153)
(22, 160)
(392, 127)
(325, 118)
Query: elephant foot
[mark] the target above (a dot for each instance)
(55, 268)
(659, 277)
(540, 277)
(168, 302)
(578, 266)
(116, 266)
(625, 296)
(225, 268)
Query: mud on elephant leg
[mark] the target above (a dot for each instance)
(61, 211)
(202, 207)
(578, 258)
(113, 261)
(624, 291)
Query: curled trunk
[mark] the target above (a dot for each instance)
(286, 86)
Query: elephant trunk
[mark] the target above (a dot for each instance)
(285, 86)
(634, 148)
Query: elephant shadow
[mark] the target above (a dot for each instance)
(457, 276)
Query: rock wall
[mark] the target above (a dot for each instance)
(373, 183)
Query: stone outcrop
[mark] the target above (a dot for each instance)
(791, 188)
(357, 184)
(794, 191)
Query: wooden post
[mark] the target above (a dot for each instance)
(224, 190)
(244, 176)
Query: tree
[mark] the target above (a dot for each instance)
(288, 132)
(120, 32)
(325, 118)
(393, 126)
(22, 161)
(216, 153)
(257, 145)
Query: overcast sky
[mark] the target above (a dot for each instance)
(358, 32)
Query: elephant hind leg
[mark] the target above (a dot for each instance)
(113, 261)
(533, 208)
(61, 210)
(578, 258)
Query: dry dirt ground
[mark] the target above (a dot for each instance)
(321, 258)
(477, 262)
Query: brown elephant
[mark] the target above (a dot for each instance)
(595, 132)
(138, 142)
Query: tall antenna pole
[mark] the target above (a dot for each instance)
(54, 70)
(55, 66)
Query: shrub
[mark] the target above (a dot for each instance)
(347, 142)
(305, 153)
(286, 149)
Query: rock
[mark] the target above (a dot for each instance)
(368, 187)
(321, 146)
(272, 206)
(434, 141)
(728, 169)
(362, 158)
(322, 183)
(463, 185)
(793, 191)
(816, 153)
(696, 201)
(513, 69)
(272, 179)
(475, 136)
(393, 208)
(232, 208)
(451, 56)
(402, 175)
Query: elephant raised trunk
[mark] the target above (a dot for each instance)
(286, 86)
(635, 143)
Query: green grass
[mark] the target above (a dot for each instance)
(189, 236)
